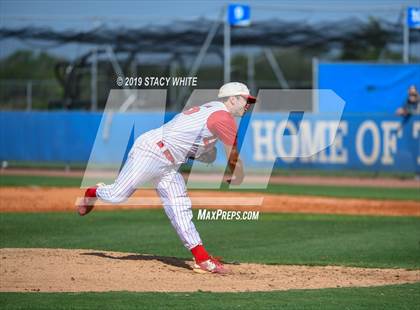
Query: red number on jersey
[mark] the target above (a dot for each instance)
(191, 110)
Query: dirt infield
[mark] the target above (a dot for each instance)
(60, 270)
(41, 270)
(275, 179)
(37, 199)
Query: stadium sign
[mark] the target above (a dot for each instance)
(413, 17)
(379, 142)
(239, 15)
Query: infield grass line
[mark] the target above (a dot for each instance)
(395, 297)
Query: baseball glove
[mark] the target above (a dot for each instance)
(208, 157)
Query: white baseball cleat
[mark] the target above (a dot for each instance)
(211, 265)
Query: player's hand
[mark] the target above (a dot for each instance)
(208, 157)
(234, 180)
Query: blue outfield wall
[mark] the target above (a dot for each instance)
(372, 143)
(47, 136)
(369, 87)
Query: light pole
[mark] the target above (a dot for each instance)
(226, 47)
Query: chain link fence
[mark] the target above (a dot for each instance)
(48, 94)
(28, 94)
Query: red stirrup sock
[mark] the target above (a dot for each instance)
(200, 254)
(91, 192)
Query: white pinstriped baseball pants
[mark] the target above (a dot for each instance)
(146, 163)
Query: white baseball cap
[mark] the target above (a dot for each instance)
(236, 89)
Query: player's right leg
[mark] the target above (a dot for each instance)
(173, 193)
(141, 166)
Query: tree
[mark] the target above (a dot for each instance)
(367, 44)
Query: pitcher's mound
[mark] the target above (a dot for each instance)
(60, 270)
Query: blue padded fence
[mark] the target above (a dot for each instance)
(369, 87)
(375, 143)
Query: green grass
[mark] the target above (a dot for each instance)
(313, 190)
(273, 239)
(27, 180)
(187, 167)
(393, 297)
(45, 165)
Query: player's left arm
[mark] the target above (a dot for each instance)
(223, 125)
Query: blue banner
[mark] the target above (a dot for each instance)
(376, 143)
(369, 87)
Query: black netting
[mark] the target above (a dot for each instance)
(189, 36)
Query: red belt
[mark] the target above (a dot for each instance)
(166, 152)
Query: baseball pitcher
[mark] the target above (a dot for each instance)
(157, 155)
